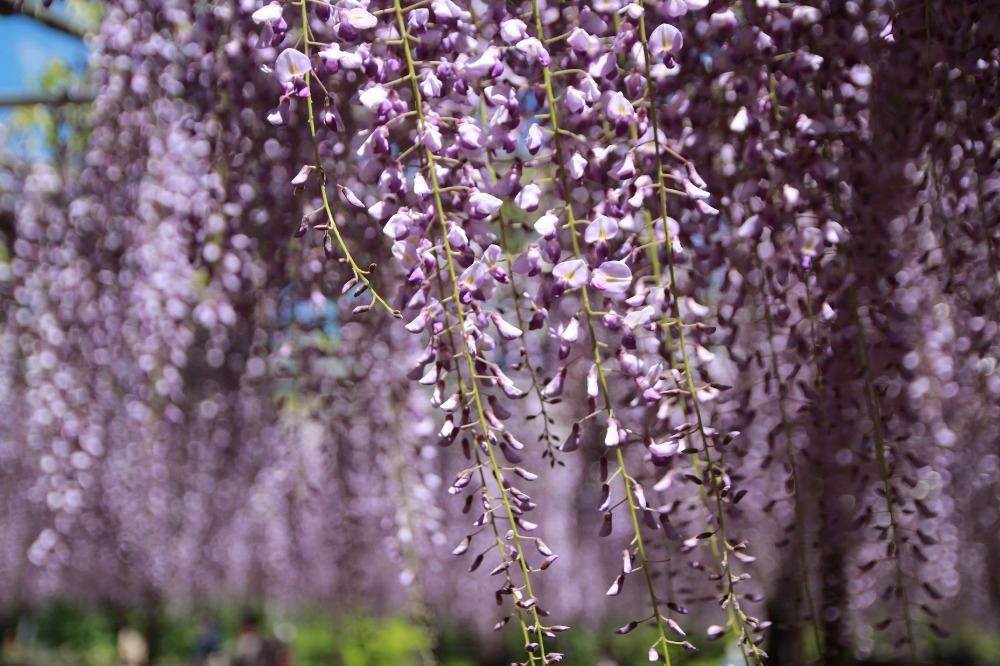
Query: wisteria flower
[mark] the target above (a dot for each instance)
(482, 205)
(603, 228)
(571, 274)
(399, 225)
(605, 67)
(431, 138)
(665, 40)
(529, 262)
(577, 166)
(445, 10)
(488, 63)
(506, 330)
(275, 27)
(626, 169)
(547, 224)
(374, 98)
(528, 198)
(269, 13)
(583, 42)
(612, 277)
(474, 277)
(513, 30)
(574, 100)
(614, 435)
(431, 86)
(291, 68)
(492, 259)
(337, 58)
(359, 18)
(694, 191)
(534, 51)
(533, 141)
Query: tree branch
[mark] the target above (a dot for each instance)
(43, 16)
(48, 99)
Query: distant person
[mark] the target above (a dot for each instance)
(208, 645)
(12, 653)
(253, 649)
(132, 648)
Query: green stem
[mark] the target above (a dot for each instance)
(736, 615)
(466, 352)
(875, 416)
(360, 274)
(602, 379)
(800, 521)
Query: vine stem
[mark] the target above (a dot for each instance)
(875, 416)
(360, 274)
(785, 424)
(793, 467)
(470, 362)
(602, 379)
(736, 615)
(536, 386)
(871, 398)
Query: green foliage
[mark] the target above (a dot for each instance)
(61, 624)
(71, 635)
(361, 640)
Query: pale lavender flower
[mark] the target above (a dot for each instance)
(513, 30)
(612, 277)
(474, 277)
(574, 100)
(431, 138)
(554, 388)
(637, 318)
(577, 166)
(534, 139)
(626, 169)
(606, 67)
(694, 191)
(530, 262)
(374, 98)
(482, 205)
(547, 224)
(431, 85)
(528, 198)
(349, 196)
(632, 10)
(417, 20)
(445, 10)
(665, 40)
(359, 18)
(534, 51)
(591, 91)
(303, 175)
(457, 237)
(269, 13)
(493, 258)
(603, 228)
(629, 364)
(583, 42)
(291, 68)
(505, 383)
(572, 274)
(469, 135)
(399, 225)
(488, 63)
(613, 436)
(506, 330)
